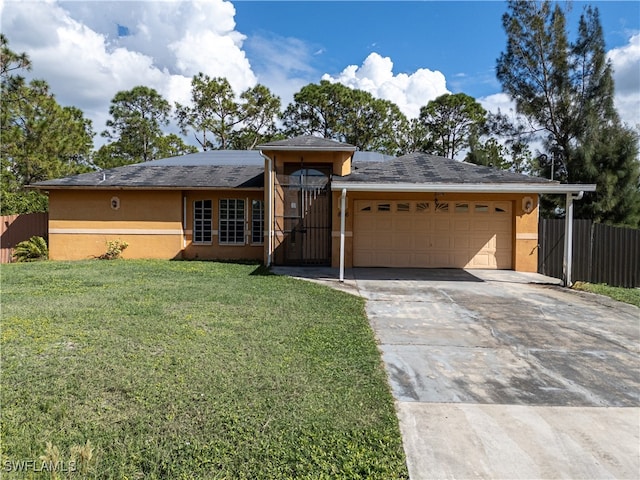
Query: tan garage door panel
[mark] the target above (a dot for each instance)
(429, 234)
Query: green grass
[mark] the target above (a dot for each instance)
(191, 370)
(627, 295)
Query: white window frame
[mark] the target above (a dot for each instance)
(232, 212)
(200, 222)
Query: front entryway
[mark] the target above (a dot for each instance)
(306, 217)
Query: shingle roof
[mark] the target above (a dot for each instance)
(213, 157)
(423, 168)
(245, 169)
(164, 176)
(307, 142)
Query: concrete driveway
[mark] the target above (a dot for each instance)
(498, 374)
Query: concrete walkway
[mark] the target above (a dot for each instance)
(504, 375)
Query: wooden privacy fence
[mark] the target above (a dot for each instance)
(601, 253)
(16, 228)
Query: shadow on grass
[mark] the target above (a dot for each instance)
(262, 271)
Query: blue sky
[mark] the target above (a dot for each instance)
(407, 52)
(462, 39)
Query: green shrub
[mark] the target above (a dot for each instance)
(31, 250)
(114, 250)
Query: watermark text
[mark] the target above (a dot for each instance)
(39, 466)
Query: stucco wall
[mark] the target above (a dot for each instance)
(82, 221)
(340, 161)
(526, 235)
(155, 224)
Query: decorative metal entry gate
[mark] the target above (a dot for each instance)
(306, 223)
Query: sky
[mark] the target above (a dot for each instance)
(406, 52)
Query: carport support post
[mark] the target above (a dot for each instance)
(343, 208)
(567, 262)
(568, 241)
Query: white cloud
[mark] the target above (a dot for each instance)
(498, 102)
(626, 63)
(409, 92)
(221, 58)
(626, 66)
(75, 47)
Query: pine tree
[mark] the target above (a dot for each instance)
(335, 111)
(451, 122)
(40, 138)
(566, 91)
(606, 151)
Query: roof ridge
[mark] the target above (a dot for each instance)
(307, 142)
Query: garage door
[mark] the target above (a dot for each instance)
(451, 234)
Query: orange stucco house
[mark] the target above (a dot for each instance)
(302, 201)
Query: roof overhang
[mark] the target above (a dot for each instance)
(142, 187)
(557, 188)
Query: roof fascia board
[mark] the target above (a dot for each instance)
(562, 188)
(117, 187)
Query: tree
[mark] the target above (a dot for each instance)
(565, 90)
(11, 61)
(411, 136)
(171, 145)
(613, 163)
(335, 111)
(501, 143)
(213, 111)
(315, 110)
(259, 111)
(450, 122)
(219, 121)
(372, 124)
(135, 129)
(510, 155)
(489, 153)
(111, 155)
(40, 139)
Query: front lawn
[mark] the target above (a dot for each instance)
(189, 370)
